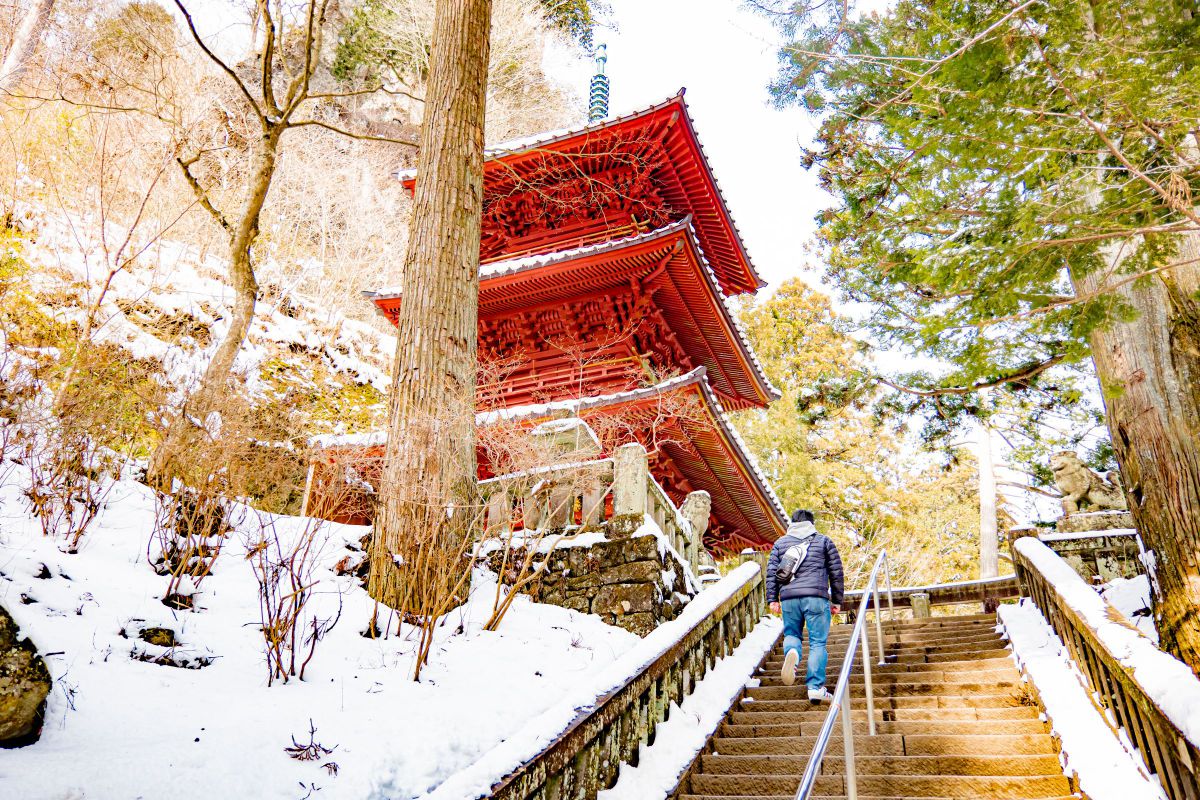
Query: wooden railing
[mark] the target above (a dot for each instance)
(589, 494)
(586, 757)
(1163, 747)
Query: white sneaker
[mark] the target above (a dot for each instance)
(789, 667)
(815, 696)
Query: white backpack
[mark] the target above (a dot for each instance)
(790, 561)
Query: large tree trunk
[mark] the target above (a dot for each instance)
(173, 452)
(1150, 371)
(428, 484)
(24, 44)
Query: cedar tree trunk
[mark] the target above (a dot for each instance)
(428, 483)
(1150, 372)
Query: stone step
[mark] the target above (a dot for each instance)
(886, 677)
(966, 787)
(915, 638)
(915, 657)
(905, 709)
(914, 744)
(884, 688)
(774, 665)
(867, 764)
(810, 724)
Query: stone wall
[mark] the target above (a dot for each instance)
(1099, 546)
(634, 582)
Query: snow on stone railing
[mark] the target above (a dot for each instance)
(592, 493)
(576, 748)
(1149, 694)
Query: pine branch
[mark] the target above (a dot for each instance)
(1024, 374)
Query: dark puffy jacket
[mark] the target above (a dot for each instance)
(820, 574)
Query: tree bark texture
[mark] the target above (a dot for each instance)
(173, 452)
(1150, 372)
(25, 43)
(428, 483)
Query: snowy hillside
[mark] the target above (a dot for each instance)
(170, 305)
(120, 727)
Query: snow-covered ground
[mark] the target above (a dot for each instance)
(1131, 596)
(1105, 765)
(120, 728)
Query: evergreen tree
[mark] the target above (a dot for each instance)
(1013, 191)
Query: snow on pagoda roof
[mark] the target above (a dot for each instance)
(697, 377)
(544, 141)
(529, 411)
(515, 266)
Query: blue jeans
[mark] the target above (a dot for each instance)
(813, 612)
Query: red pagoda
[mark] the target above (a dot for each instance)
(607, 259)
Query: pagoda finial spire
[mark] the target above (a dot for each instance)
(598, 92)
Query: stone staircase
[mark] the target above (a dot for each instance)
(952, 722)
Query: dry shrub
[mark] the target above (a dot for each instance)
(190, 528)
(240, 454)
(285, 568)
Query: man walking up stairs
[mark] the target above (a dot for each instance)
(952, 722)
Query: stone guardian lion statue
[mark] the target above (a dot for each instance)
(1084, 489)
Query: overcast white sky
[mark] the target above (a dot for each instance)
(725, 56)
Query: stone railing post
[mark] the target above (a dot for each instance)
(499, 513)
(696, 509)
(562, 505)
(593, 502)
(631, 471)
(920, 605)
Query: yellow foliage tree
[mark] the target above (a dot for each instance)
(868, 489)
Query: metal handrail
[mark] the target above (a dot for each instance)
(840, 700)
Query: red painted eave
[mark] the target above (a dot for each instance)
(715, 225)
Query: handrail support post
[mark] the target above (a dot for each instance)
(848, 748)
(870, 690)
(878, 629)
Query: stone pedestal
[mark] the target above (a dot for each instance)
(1100, 546)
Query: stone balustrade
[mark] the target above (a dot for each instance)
(614, 493)
(586, 757)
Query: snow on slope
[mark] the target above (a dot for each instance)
(118, 729)
(1131, 596)
(170, 281)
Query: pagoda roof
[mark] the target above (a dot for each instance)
(713, 458)
(667, 263)
(688, 184)
(718, 460)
